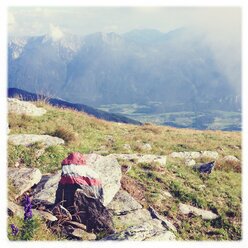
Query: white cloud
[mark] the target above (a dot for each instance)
(55, 32)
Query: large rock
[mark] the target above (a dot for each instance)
(29, 139)
(109, 171)
(147, 158)
(21, 107)
(195, 155)
(107, 168)
(123, 203)
(206, 215)
(150, 230)
(22, 179)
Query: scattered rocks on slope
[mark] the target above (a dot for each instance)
(123, 203)
(29, 139)
(205, 214)
(23, 179)
(148, 158)
(22, 107)
(195, 155)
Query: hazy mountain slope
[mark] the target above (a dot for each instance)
(178, 70)
(27, 96)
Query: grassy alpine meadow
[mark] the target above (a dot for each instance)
(219, 191)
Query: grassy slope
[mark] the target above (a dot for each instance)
(222, 192)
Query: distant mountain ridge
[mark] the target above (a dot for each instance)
(176, 70)
(27, 96)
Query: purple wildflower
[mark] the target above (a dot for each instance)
(27, 208)
(14, 229)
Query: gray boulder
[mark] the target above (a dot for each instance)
(122, 203)
(22, 179)
(205, 214)
(29, 139)
(22, 107)
(109, 171)
(107, 168)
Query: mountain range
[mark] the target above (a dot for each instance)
(168, 72)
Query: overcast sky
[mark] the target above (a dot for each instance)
(84, 20)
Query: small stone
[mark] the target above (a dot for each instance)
(206, 215)
(209, 154)
(166, 193)
(146, 147)
(190, 162)
(127, 147)
(231, 158)
(81, 234)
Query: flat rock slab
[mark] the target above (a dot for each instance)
(22, 107)
(195, 155)
(122, 203)
(23, 179)
(82, 234)
(133, 218)
(147, 158)
(106, 167)
(29, 139)
(149, 230)
(205, 214)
